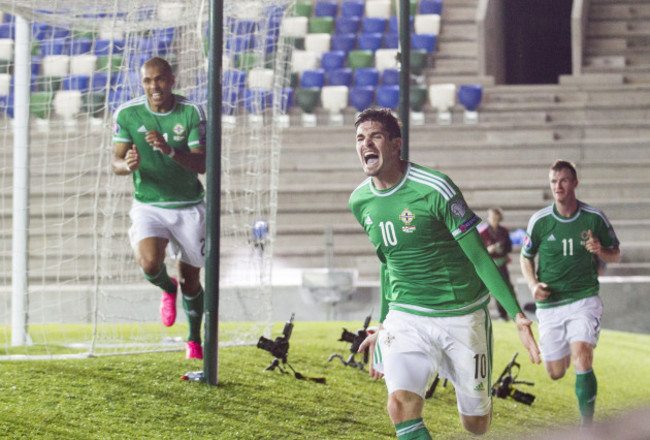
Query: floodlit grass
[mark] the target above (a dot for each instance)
(142, 396)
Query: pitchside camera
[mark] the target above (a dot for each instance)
(503, 388)
(279, 347)
(355, 339)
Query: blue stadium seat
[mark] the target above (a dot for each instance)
(103, 46)
(333, 60)
(238, 44)
(370, 41)
(256, 100)
(470, 95)
(393, 24)
(314, 78)
(325, 8)
(366, 76)
(7, 105)
(362, 97)
(80, 46)
(391, 41)
(41, 31)
(344, 42)
(59, 32)
(229, 101)
(430, 7)
(347, 25)
(7, 30)
(243, 27)
(55, 46)
(76, 82)
(99, 81)
(233, 79)
(352, 8)
(388, 96)
(150, 45)
(390, 77)
(285, 99)
(371, 25)
(340, 77)
(423, 42)
(165, 37)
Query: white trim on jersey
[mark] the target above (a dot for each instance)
(435, 182)
(588, 208)
(430, 310)
(538, 215)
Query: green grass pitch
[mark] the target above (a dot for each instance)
(142, 396)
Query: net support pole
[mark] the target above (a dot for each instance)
(20, 215)
(213, 208)
(405, 72)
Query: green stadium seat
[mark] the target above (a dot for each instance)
(303, 9)
(417, 97)
(359, 58)
(419, 60)
(308, 99)
(40, 104)
(110, 63)
(321, 25)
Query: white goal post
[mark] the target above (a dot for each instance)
(75, 61)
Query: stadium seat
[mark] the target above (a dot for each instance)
(352, 8)
(372, 25)
(362, 97)
(80, 46)
(302, 9)
(378, 8)
(76, 82)
(6, 49)
(393, 24)
(334, 99)
(93, 104)
(104, 46)
(151, 45)
(7, 30)
(321, 25)
(370, 42)
(344, 42)
(367, 76)
(260, 78)
(417, 100)
(347, 25)
(426, 42)
(312, 78)
(238, 43)
(67, 104)
(469, 96)
(40, 104)
(419, 59)
(229, 100)
(257, 100)
(427, 24)
(169, 11)
(41, 31)
(111, 63)
(318, 43)
(390, 77)
(248, 60)
(294, 26)
(243, 26)
(55, 65)
(430, 7)
(332, 60)
(116, 97)
(5, 84)
(308, 101)
(391, 41)
(323, 8)
(303, 60)
(99, 81)
(442, 97)
(60, 32)
(386, 59)
(235, 79)
(285, 99)
(55, 46)
(388, 96)
(83, 64)
(359, 58)
(340, 77)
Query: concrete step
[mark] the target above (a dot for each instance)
(618, 28)
(453, 14)
(624, 11)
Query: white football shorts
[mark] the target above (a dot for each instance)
(560, 326)
(183, 227)
(411, 348)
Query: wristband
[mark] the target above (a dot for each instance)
(172, 153)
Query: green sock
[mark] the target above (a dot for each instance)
(586, 390)
(412, 430)
(193, 306)
(162, 280)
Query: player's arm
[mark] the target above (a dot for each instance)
(473, 246)
(193, 160)
(538, 289)
(608, 255)
(125, 158)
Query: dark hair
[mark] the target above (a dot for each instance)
(161, 63)
(385, 117)
(565, 165)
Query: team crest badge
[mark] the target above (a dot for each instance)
(528, 243)
(389, 339)
(407, 217)
(459, 208)
(179, 129)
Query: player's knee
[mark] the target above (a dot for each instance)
(477, 425)
(403, 405)
(555, 374)
(150, 267)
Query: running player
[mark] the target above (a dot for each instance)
(433, 269)
(159, 138)
(565, 236)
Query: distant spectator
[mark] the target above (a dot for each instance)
(497, 241)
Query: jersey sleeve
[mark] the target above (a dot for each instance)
(453, 210)
(196, 137)
(605, 233)
(120, 128)
(530, 244)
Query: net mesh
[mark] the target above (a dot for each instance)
(86, 293)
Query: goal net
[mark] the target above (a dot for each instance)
(85, 294)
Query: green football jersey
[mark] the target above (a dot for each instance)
(414, 227)
(159, 180)
(564, 264)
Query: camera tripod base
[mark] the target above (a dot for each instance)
(349, 363)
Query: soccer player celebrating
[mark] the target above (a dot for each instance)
(434, 273)
(159, 138)
(566, 236)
